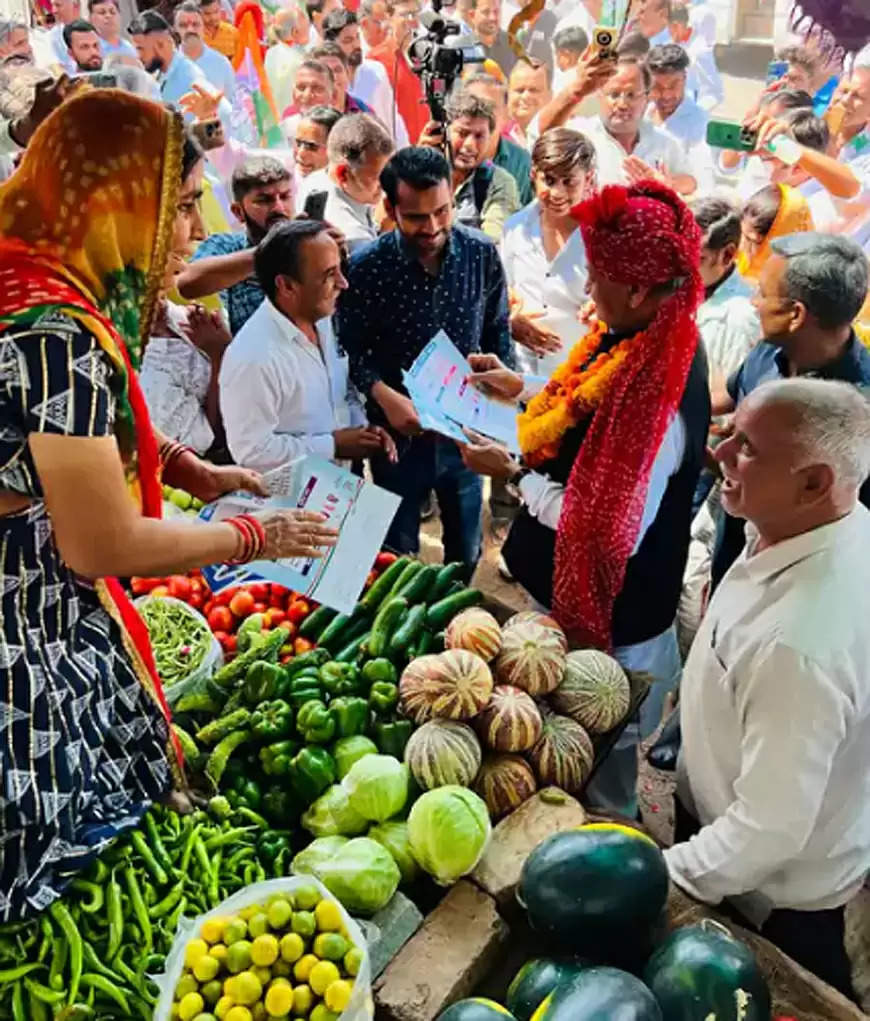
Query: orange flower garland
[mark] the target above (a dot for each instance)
(574, 391)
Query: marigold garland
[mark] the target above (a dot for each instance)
(574, 391)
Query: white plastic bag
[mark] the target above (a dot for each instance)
(361, 1006)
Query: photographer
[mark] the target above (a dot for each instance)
(484, 195)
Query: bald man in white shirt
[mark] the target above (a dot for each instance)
(774, 770)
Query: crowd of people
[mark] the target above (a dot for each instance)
(225, 233)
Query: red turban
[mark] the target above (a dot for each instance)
(643, 235)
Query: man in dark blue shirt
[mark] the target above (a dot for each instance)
(810, 291)
(403, 288)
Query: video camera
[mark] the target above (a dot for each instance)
(438, 64)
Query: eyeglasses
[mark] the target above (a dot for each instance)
(306, 146)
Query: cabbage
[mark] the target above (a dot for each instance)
(347, 750)
(377, 786)
(309, 861)
(362, 875)
(331, 815)
(394, 837)
(448, 829)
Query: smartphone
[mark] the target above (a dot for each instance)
(100, 79)
(209, 134)
(604, 40)
(776, 69)
(730, 135)
(315, 205)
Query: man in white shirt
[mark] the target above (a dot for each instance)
(83, 45)
(190, 28)
(653, 20)
(529, 90)
(65, 12)
(676, 113)
(775, 697)
(283, 381)
(628, 147)
(292, 32)
(358, 149)
(105, 16)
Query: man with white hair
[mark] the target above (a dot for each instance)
(773, 786)
(292, 31)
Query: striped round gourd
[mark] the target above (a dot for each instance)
(544, 620)
(453, 685)
(594, 691)
(443, 752)
(475, 630)
(504, 782)
(532, 657)
(510, 722)
(563, 754)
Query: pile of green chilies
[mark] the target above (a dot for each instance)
(179, 637)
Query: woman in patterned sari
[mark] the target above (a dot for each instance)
(106, 190)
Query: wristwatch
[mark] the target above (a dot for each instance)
(513, 483)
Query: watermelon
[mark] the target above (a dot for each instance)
(598, 890)
(476, 1009)
(563, 754)
(453, 685)
(475, 630)
(534, 982)
(532, 657)
(510, 721)
(504, 782)
(443, 752)
(601, 994)
(702, 971)
(594, 691)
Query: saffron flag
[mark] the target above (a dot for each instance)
(255, 116)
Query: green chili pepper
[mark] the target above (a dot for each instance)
(175, 917)
(148, 859)
(115, 917)
(188, 848)
(311, 772)
(163, 907)
(43, 993)
(273, 720)
(228, 837)
(219, 757)
(275, 758)
(36, 1008)
(59, 957)
(213, 732)
(201, 855)
(180, 638)
(103, 985)
(93, 963)
(68, 927)
(13, 974)
(156, 843)
(314, 724)
(140, 911)
(351, 715)
(261, 682)
(18, 1003)
(383, 697)
(47, 937)
(256, 820)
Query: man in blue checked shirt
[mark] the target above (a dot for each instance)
(424, 276)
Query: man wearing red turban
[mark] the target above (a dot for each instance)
(612, 447)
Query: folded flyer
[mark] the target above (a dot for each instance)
(361, 511)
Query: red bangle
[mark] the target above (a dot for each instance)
(253, 538)
(171, 451)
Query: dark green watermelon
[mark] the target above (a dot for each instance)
(534, 982)
(702, 970)
(476, 1009)
(598, 891)
(600, 994)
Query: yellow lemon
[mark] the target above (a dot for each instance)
(206, 968)
(353, 960)
(279, 913)
(236, 929)
(213, 929)
(328, 916)
(190, 1006)
(302, 968)
(322, 975)
(292, 947)
(186, 984)
(306, 897)
(195, 949)
(238, 1014)
(302, 1000)
(248, 988)
(222, 1006)
(279, 998)
(218, 951)
(264, 949)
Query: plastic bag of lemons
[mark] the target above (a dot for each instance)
(279, 950)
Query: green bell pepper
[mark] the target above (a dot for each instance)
(271, 721)
(351, 715)
(244, 793)
(314, 724)
(272, 845)
(275, 758)
(383, 698)
(302, 689)
(262, 681)
(339, 679)
(311, 772)
(380, 669)
(391, 736)
(279, 805)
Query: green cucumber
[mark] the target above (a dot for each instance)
(339, 631)
(384, 624)
(406, 577)
(382, 585)
(420, 586)
(407, 631)
(446, 576)
(316, 622)
(441, 613)
(350, 653)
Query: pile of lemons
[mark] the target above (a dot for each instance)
(290, 957)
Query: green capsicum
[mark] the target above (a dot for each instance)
(311, 772)
(339, 679)
(380, 669)
(271, 721)
(262, 681)
(314, 724)
(383, 698)
(275, 758)
(280, 806)
(244, 793)
(351, 715)
(272, 844)
(391, 736)
(301, 689)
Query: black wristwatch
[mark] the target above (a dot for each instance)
(513, 483)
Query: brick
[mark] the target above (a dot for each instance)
(389, 930)
(456, 947)
(516, 836)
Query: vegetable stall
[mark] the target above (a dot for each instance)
(364, 753)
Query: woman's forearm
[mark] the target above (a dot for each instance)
(834, 176)
(215, 273)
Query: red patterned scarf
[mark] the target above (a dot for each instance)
(643, 235)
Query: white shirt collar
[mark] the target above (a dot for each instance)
(761, 566)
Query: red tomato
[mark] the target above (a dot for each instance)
(260, 607)
(274, 617)
(195, 601)
(276, 601)
(221, 636)
(301, 645)
(242, 603)
(230, 643)
(383, 560)
(283, 660)
(140, 586)
(160, 590)
(223, 598)
(208, 606)
(220, 619)
(259, 590)
(288, 626)
(298, 610)
(179, 586)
